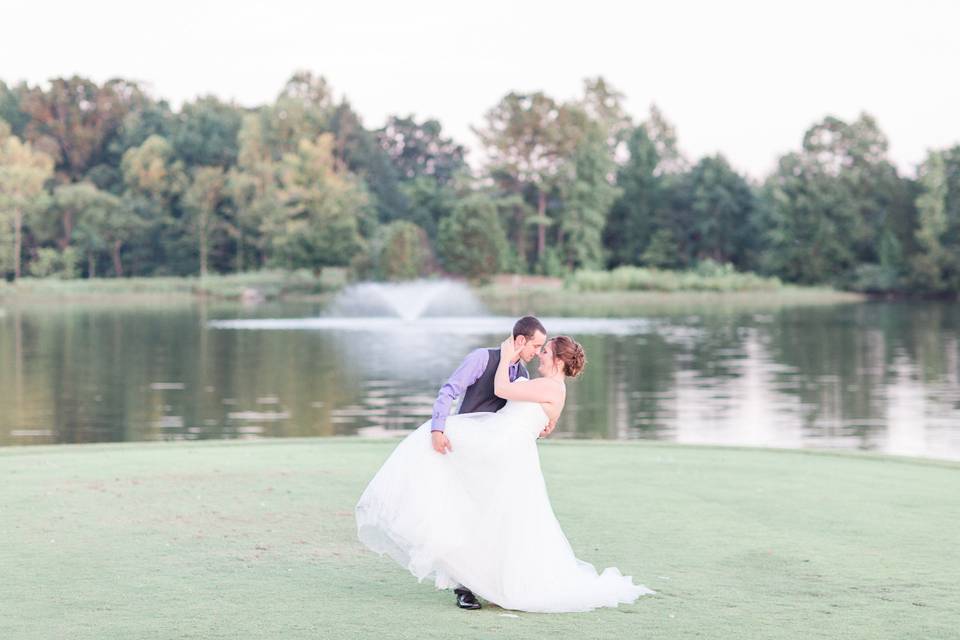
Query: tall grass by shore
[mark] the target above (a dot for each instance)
(630, 291)
(708, 276)
(268, 284)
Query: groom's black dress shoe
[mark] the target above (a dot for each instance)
(466, 599)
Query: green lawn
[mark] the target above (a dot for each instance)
(256, 540)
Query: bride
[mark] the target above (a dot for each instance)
(480, 516)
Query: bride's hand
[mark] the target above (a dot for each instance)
(547, 430)
(507, 350)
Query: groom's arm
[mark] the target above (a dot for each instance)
(466, 374)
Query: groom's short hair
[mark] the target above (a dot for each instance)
(527, 326)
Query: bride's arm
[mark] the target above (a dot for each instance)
(540, 390)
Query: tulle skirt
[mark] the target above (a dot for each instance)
(480, 517)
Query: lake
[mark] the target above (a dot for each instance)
(876, 376)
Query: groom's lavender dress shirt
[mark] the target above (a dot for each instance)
(466, 374)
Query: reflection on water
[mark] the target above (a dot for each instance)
(874, 376)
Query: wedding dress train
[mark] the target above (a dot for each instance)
(480, 517)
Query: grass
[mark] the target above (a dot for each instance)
(519, 298)
(708, 276)
(633, 291)
(256, 539)
(269, 284)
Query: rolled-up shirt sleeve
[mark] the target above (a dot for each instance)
(466, 374)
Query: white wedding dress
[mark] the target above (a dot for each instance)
(480, 517)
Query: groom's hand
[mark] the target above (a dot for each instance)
(440, 442)
(547, 430)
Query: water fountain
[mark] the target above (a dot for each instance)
(407, 300)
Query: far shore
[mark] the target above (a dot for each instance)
(508, 294)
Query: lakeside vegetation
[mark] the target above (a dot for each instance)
(708, 276)
(255, 286)
(554, 299)
(107, 180)
(620, 292)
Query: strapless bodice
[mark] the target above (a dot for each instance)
(527, 415)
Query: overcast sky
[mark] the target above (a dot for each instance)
(742, 78)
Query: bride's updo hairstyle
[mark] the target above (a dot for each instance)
(570, 353)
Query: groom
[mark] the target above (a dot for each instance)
(473, 381)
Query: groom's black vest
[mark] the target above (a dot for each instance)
(479, 396)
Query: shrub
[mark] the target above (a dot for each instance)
(707, 276)
(401, 251)
(50, 263)
(471, 241)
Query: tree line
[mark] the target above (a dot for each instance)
(107, 180)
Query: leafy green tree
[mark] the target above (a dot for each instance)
(356, 149)
(154, 181)
(249, 199)
(603, 104)
(10, 111)
(517, 217)
(429, 202)
(722, 208)
(23, 172)
(302, 111)
(50, 262)
(587, 196)
(430, 168)
(471, 241)
(95, 219)
(318, 225)
(663, 251)
(206, 133)
(70, 204)
(670, 160)
(633, 216)
(526, 139)
(936, 265)
(150, 118)
(259, 188)
(420, 149)
(400, 251)
(252, 192)
(305, 109)
(202, 200)
(826, 207)
(650, 222)
(855, 155)
(806, 218)
(152, 170)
